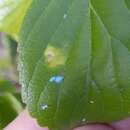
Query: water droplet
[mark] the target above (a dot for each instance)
(57, 79)
(91, 101)
(65, 16)
(84, 119)
(44, 107)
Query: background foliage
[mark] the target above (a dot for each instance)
(12, 13)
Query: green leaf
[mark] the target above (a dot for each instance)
(74, 61)
(10, 103)
(128, 3)
(12, 13)
(9, 108)
(6, 86)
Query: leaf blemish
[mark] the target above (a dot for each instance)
(54, 56)
(50, 55)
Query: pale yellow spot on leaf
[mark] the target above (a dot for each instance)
(54, 56)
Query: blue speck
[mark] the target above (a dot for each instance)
(56, 79)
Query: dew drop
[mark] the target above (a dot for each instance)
(44, 107)
(91, 101)
(65, 16)
(56, 79)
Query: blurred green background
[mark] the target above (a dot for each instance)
(10, 98)
(12, 13)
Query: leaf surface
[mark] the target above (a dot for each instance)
(74, 61)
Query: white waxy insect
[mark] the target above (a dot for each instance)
(45, 106)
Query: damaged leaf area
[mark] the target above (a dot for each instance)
(54, 57)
